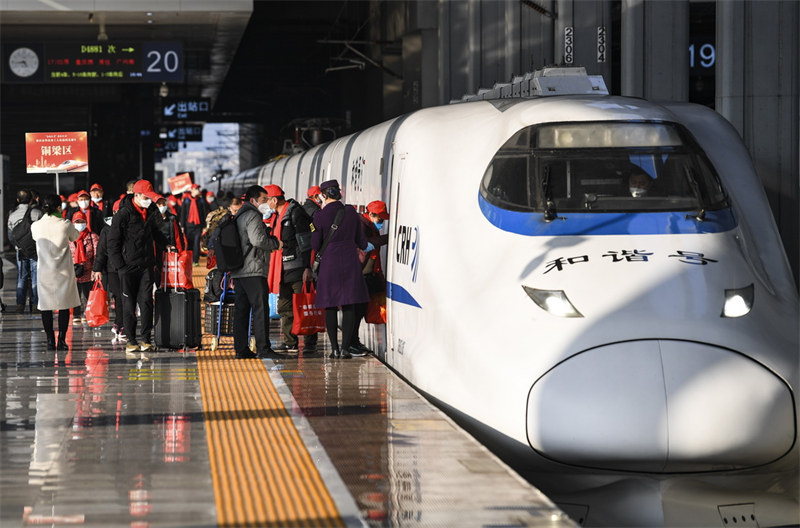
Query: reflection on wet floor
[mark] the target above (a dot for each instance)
(90, 438)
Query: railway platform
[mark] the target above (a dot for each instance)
(199, 439)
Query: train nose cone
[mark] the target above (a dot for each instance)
(661, 406)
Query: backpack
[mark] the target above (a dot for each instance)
(227, 245)
(212, 222)
(22, 238)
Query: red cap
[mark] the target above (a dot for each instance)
(313, 191)
(96, 186)
(146, 188)
(273, 190)
(195, 186)
(210, 193)
(82, 193)
(77, 215)
(379, 208)
(72, 198)
(63, 198)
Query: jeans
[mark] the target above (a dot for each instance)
(26, 268)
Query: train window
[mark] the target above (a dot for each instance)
(605, 167)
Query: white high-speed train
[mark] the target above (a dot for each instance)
(593, 285)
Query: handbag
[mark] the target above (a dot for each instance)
(376, 309)
(308, 319)
(97, 305)
(177, 270)
(375, 282)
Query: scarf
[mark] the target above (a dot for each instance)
(80, 251)
(194, 213)
(142, 212)
(276, 258)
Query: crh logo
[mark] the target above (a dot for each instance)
(407, 252)
(357, 174)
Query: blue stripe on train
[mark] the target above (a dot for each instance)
(655, 223)
(399, 294)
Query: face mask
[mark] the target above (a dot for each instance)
(266, 210)
(97, 200)
(209, 200)
(145, 203)
(379, 225)
(162, 209)
(83, 204)
(636, 192)
(80, 227)
(63, 205)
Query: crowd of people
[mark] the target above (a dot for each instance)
(64, 244)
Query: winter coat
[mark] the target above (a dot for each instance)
(90, 245)
(202, 211)
(257, 242)
(311, 207)
(58, 289)
(296, 238)
(130, 242)
(339, 279)
(101, 261)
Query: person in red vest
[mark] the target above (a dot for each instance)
(94, 218)
(193, 219)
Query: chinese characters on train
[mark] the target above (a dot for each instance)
(630, 255)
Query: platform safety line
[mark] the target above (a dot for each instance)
(262, 473)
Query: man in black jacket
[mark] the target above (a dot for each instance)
(134, 229)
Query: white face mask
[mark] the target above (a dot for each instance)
(636, 192)
(80, 227)
(83, 204)
(97, 200)
(209, 200)
(266, 210)
(162, 209)
(144, 203)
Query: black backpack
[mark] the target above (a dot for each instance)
(22, 238)
(227, 245)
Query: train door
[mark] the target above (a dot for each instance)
(396, 179)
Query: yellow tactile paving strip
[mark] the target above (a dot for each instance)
(262, 473)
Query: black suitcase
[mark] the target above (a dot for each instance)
(178, 323)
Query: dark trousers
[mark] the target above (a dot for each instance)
(137, 289)
(251, 294)
(63, 325)
(115, 288)
(348, 325)
(193, 234)
(83, 293)
(286, 311)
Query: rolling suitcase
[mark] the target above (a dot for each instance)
(177, 314)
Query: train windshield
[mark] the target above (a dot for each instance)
(603, 167)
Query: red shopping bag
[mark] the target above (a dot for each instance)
(308, 319)
(376, 309)
(97, 305)
(177, 272)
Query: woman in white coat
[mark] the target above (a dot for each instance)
(58, 290)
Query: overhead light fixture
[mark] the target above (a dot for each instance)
(91, 18)
(163, 90)
(102, 36)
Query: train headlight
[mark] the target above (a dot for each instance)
(738, 302)
(554, 302)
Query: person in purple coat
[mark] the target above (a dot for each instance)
(339, 281)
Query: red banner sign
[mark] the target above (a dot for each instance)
(180, 183)
(57, 152)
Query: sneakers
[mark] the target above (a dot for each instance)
(269, 354)
(132, 351)
(359, 350)
(146, 347)
(283, 347)
(76, 320)
(335, 354)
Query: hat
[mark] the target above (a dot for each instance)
(328, 184)
(273, 190)
(96, 186)
(72, 198)
(63, 198)
(379, 208)
(195, 186)
(313, 191)
(77, 215)
(146, 188)
(210, 193)
(82, 193)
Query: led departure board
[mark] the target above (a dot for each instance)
(93, 61)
